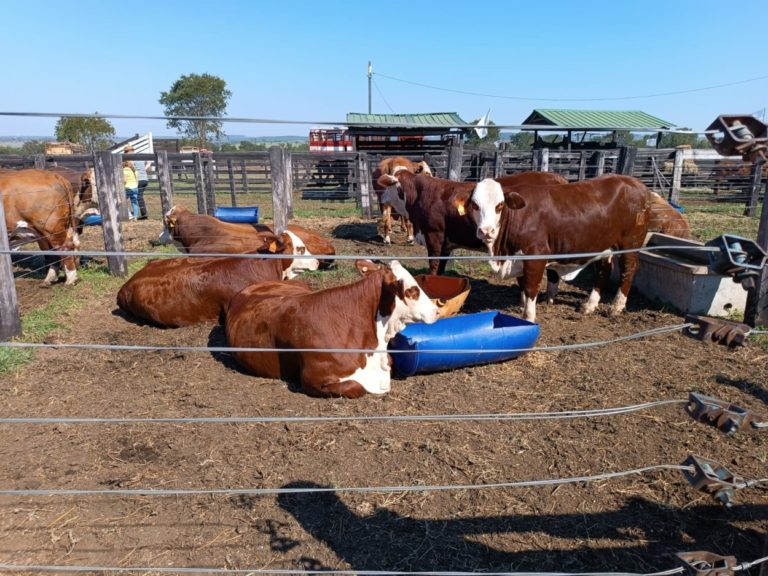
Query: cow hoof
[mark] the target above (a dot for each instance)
(387, 240)
(410, 240)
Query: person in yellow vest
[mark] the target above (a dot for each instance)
(131, 184)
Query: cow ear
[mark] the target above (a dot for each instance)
(387, 180)
(514, 201)
(365, 267)
(460, 201)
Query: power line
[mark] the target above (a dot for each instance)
(382, 97)
(604, 99)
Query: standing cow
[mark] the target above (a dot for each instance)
(39, 207)
(596, 216)
(390, 167)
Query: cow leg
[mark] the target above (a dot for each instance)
(336, 389)
(70, 270)
(408, 230)
(434, 243)
(53, 263)
(553, 279)
(386, 222)
(442, 264)
(533, 272)
(602, 278)
(628, 264)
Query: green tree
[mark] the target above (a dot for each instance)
(33, 147)
(493, 135)
(521, 140)
(197, 95)
(671, 140)
(94, 133)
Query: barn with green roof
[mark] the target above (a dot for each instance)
(575, 128)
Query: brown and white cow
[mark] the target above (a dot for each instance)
(183, 291)
(39, 207)
(437, 209)
(666, 219)
(363, 315)
(595, 216)
(203, 234)
(390, 167)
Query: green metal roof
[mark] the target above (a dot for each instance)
(596, 119)
(445, 120)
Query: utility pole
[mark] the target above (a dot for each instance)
(370, 76)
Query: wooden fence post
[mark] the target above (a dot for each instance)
(124, 207)
(364, 182)
(455, 152)
(498, 164)
(600, 163)
(164, 181)
(40, 161)
(627, 158)
(108, 189)
(281, 189)
(244, 176)
(197, 166)
(541, 160)
(10, 316)
(756, 309)
(754, 186)
(288, 163)
(582, 166)
(677, 177)
(231, 174)
(210, 184)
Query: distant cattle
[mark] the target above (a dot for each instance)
(39, 207)
(391, 166)
(595, 216)
(440, 220)
(728, 174)
(363, 315)
(203, 234)
(183, 291)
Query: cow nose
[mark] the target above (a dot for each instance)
(486, 232)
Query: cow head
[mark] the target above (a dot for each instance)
(88, 186)
(486, 206)
(393, 193)
(402, 300)
(423, 168)
(300, 249)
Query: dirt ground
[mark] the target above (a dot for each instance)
(628, 524)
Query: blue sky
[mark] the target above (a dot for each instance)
(306, 60)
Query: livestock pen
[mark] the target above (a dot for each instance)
(134, 448)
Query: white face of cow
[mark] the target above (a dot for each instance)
(414, 307)
(395, 197)
(485, 207)
(301, 264)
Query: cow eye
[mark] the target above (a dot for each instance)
(499, 206)
(473, 205)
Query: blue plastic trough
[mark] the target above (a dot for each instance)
(238, 215)
(92, 220)
(483, 331)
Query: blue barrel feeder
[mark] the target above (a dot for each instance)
(505, 336)
(238, 214)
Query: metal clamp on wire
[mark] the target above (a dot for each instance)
(725, 417)
(717, 330)
(707, 564)
(712, 478)
(738, 257)
(732, 134)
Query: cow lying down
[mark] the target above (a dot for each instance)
(201, 234)
(182, 291)
(363, 315)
